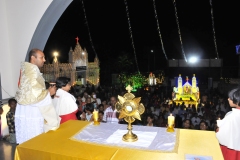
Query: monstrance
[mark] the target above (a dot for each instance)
(129, 109)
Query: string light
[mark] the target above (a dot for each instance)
(179, 32)
(130, 32)
(158, 28)
(214, 36)
(89, 34)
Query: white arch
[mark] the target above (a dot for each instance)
(24, 25)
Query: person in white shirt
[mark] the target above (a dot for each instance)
(156, 112)
(96, 101)
(200, 111)
(228, 130)
(88, 115)
(85, 96)
(110, 114)
(195, 120)
(65, 103)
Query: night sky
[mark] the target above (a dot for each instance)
(109, 30)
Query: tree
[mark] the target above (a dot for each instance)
(136, 80)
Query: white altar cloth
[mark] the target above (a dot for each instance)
(149, 138)
(144, 138)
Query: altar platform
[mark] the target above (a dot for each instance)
(57, 145)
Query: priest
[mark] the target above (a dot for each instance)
(35, 113)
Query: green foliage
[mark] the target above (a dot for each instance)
(136, 80)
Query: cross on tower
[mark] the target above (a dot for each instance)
(77, 39)
(129, 88)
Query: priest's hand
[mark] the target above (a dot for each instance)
(52, 90)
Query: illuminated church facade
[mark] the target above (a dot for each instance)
(78, 69)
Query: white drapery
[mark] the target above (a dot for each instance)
(149, 138)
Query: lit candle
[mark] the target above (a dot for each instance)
(95, 115)
(171, 120)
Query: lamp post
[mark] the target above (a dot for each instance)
(55, 66)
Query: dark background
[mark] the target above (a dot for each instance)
(109, 30)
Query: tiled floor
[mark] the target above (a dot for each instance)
(7, 150)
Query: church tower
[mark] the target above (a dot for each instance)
(194, 81)
(180, 88)
(70, 55)
(96, 60)
(194, 84)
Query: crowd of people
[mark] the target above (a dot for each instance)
(202, 117)
(44, 106)
(157, 109)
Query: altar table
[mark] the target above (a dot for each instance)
(56, 145)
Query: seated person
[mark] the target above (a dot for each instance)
(150, 120)
(161, 122)
(89, 110)
(80, 111)
(105, 104)
(101, 107)
(12, 103)
(203, 125)
(187, 124)
(96, 101)
(100, 116)
(87, 101)
(64, 102)
(87, 113)
(85, 96)
(195, 120)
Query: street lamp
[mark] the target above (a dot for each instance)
(55, 54)
(193, 59)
